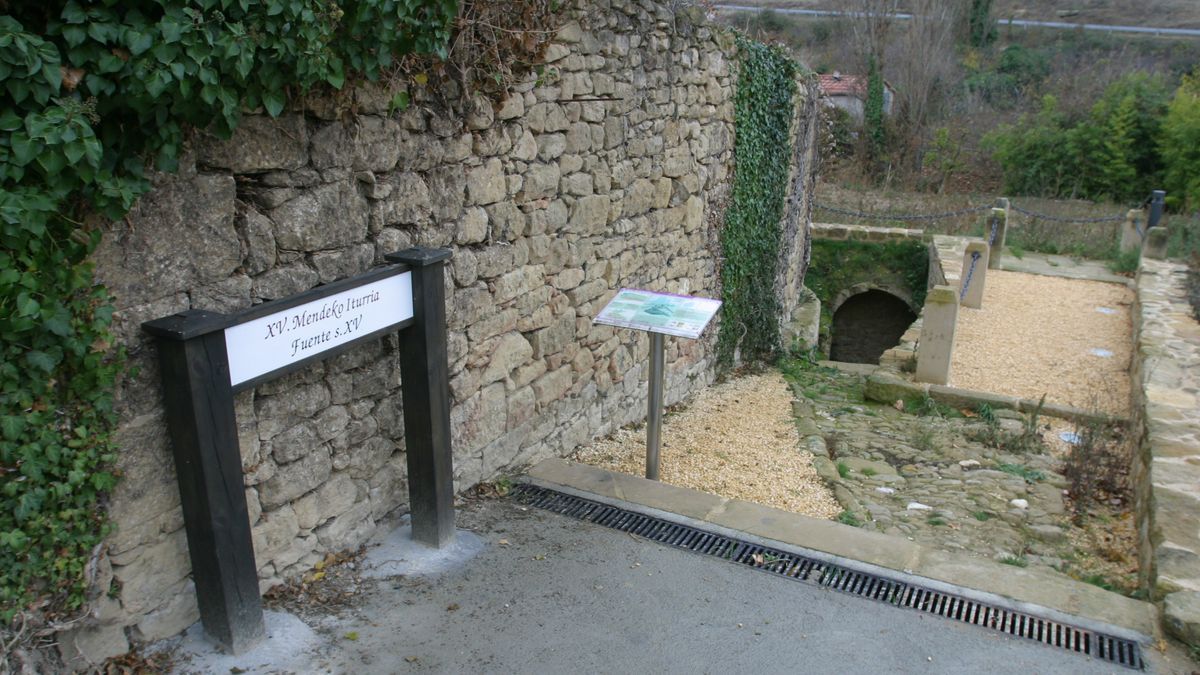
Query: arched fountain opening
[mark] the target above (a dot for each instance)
(867, 324)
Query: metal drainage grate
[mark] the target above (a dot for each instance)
(897, 593)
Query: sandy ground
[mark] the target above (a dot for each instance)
(737, 440)
(1066, 338)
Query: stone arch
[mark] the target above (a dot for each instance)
(900, 293)
(868, 322)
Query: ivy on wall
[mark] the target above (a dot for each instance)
(750, 239)
(92, 93)
(838, 265)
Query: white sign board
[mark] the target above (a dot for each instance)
(271, 342)
(666, 313)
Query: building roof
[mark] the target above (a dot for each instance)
(837, 84)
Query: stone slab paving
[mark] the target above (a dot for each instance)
(1168, 361)
(1086, 605)
(1061, 266)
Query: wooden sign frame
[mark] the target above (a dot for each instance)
(198, 399)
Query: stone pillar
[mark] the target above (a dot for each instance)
(974, 273)
(937, 335)
(1156, 243)
(997, 231)
(1131, 231)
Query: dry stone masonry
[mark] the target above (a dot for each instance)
(1166, 387)
(609, 171)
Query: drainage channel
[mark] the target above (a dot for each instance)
(800, 568)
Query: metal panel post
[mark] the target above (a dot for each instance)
(425, 384)
(199, 407)
(1157, 202)
(654, 416)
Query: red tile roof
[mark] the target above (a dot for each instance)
(836, 84)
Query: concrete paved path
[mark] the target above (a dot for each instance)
(550, 594)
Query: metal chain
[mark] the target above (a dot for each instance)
(970, 273)
(1060, 219)
(995, 231)
(876, 216)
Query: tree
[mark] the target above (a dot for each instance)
(873, 116)
(981, 30)
(922, 64)
(1180, 146)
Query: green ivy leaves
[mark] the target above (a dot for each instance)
(93, 91)
(750, 240)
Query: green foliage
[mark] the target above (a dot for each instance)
(1180, 146)
(874, 128)
(1017, 70)
(981, 29)
(1126, 262)
(1111, 152)
(750, 240)
(986, 413)
(92, 93)
(843, 469)
(848, 518)
(1020, 470)
(943, 157)
(837, 265)
(1014, 560)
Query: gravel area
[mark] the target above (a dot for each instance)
(1066, 338)
(737, 440)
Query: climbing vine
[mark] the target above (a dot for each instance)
(93, 93)
(750, 238)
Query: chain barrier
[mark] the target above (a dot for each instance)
(963, 212)
(995, 231)
(1060, 219)
(970, 273)
(914, 216)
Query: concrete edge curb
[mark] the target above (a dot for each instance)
(883, 387)
(903, 575)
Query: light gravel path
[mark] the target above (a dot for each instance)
(737, 440)
(1069, 339)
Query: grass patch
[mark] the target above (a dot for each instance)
(848, 518)
(936, 521)
(925, 439)
(1029, 474)
(1014, 560)
(1125, 263)
(1100, 581)
(982, 516)
(843, 470)
(868, 472)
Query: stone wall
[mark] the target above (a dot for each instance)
(609, 173)
(1166, 478)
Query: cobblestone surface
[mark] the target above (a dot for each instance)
(934, 477)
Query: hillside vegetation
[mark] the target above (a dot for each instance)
(1160, 13)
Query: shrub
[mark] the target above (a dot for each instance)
(1097, 465)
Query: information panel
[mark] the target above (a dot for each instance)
(276, 340)
(666, 313)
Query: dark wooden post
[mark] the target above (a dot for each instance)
(425, 384)
(199, 405)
